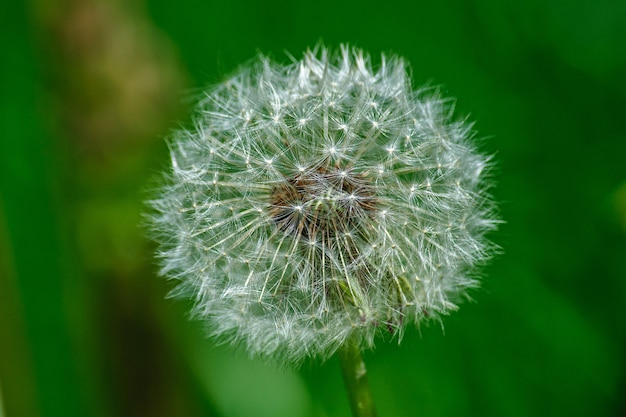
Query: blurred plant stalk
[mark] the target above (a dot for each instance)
(86, 336)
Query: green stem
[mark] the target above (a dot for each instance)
(355, 378)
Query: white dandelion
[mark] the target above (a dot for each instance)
(321, 201)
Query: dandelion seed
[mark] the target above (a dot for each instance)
(295, 233)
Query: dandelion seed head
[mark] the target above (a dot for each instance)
(320, 200)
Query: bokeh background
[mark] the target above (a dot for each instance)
(90, 88)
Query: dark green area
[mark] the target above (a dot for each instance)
(88, 91)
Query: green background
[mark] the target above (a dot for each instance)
(90, 88)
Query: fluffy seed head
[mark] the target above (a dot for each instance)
(322, 200)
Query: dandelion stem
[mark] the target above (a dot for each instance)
(355, 378)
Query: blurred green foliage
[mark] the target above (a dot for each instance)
(90, 87)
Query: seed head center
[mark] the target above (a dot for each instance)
(321, 203)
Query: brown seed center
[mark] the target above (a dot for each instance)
(322, 203)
